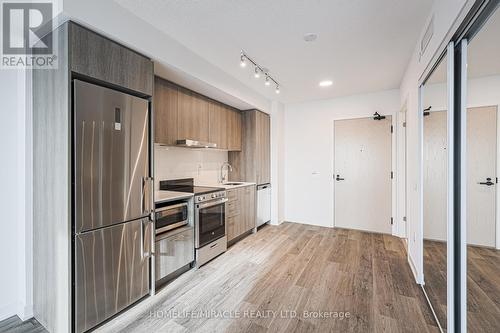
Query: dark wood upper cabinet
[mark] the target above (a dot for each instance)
(253, 163)
(182, 114)
(217, 125)
(165, 112)
(98, 57)
(233, 129)
(192, 116)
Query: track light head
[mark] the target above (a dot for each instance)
(268, 82)
(277, 89)
(243, 62)
(257, 73)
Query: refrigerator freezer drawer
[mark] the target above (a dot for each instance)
(111, 271)
(173, 252)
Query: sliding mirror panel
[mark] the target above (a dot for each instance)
(482, 162)
(434, 113)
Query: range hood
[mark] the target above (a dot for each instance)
(195, 144)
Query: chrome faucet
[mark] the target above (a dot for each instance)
(222, 176)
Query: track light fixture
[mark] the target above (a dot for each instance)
(258, 70)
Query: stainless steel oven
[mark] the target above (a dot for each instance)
(210, 218)
(171, 216)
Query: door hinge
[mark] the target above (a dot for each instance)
(392, 175)
(404, 218)
(392, 129)
(392, 220)
(404, 124)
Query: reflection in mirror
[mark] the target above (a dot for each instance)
(483, 243)
(435, 162)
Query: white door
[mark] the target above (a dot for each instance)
(435, 176)
(481, 165)
(363, 174)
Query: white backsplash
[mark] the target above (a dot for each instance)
(201, 164)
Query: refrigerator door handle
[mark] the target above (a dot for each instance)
(146, 239)
(147, 194)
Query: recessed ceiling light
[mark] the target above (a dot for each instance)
(325, 83)
(310, 37)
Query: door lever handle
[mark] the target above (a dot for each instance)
(338, 178)
(488, 182)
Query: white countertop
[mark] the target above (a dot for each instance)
(226, 186)
(164, 196)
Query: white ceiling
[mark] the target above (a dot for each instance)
(363, 45)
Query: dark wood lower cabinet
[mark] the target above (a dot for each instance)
(240, 211)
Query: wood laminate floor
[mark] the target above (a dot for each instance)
(16, 325)
(483, 285)
(278, 278)
(288, 278)
(435, 277)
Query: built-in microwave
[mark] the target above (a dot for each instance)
(171, 216)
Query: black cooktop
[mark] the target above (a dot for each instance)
(186, 185)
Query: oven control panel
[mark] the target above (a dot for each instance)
(210, 196)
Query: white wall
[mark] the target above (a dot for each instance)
(16, 236)
(445, 14)
(201, 164)
(8, 195)
(277, 163)
(15, 240)
(309, 151)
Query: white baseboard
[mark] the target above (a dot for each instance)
(274, 222)
(25, 311)
(414, 270)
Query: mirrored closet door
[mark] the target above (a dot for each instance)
(482, 227)
(434, 120)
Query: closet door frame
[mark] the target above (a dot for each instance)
(449, 54)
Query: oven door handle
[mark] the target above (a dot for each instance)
(211, 204)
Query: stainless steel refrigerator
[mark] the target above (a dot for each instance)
(112, 234)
